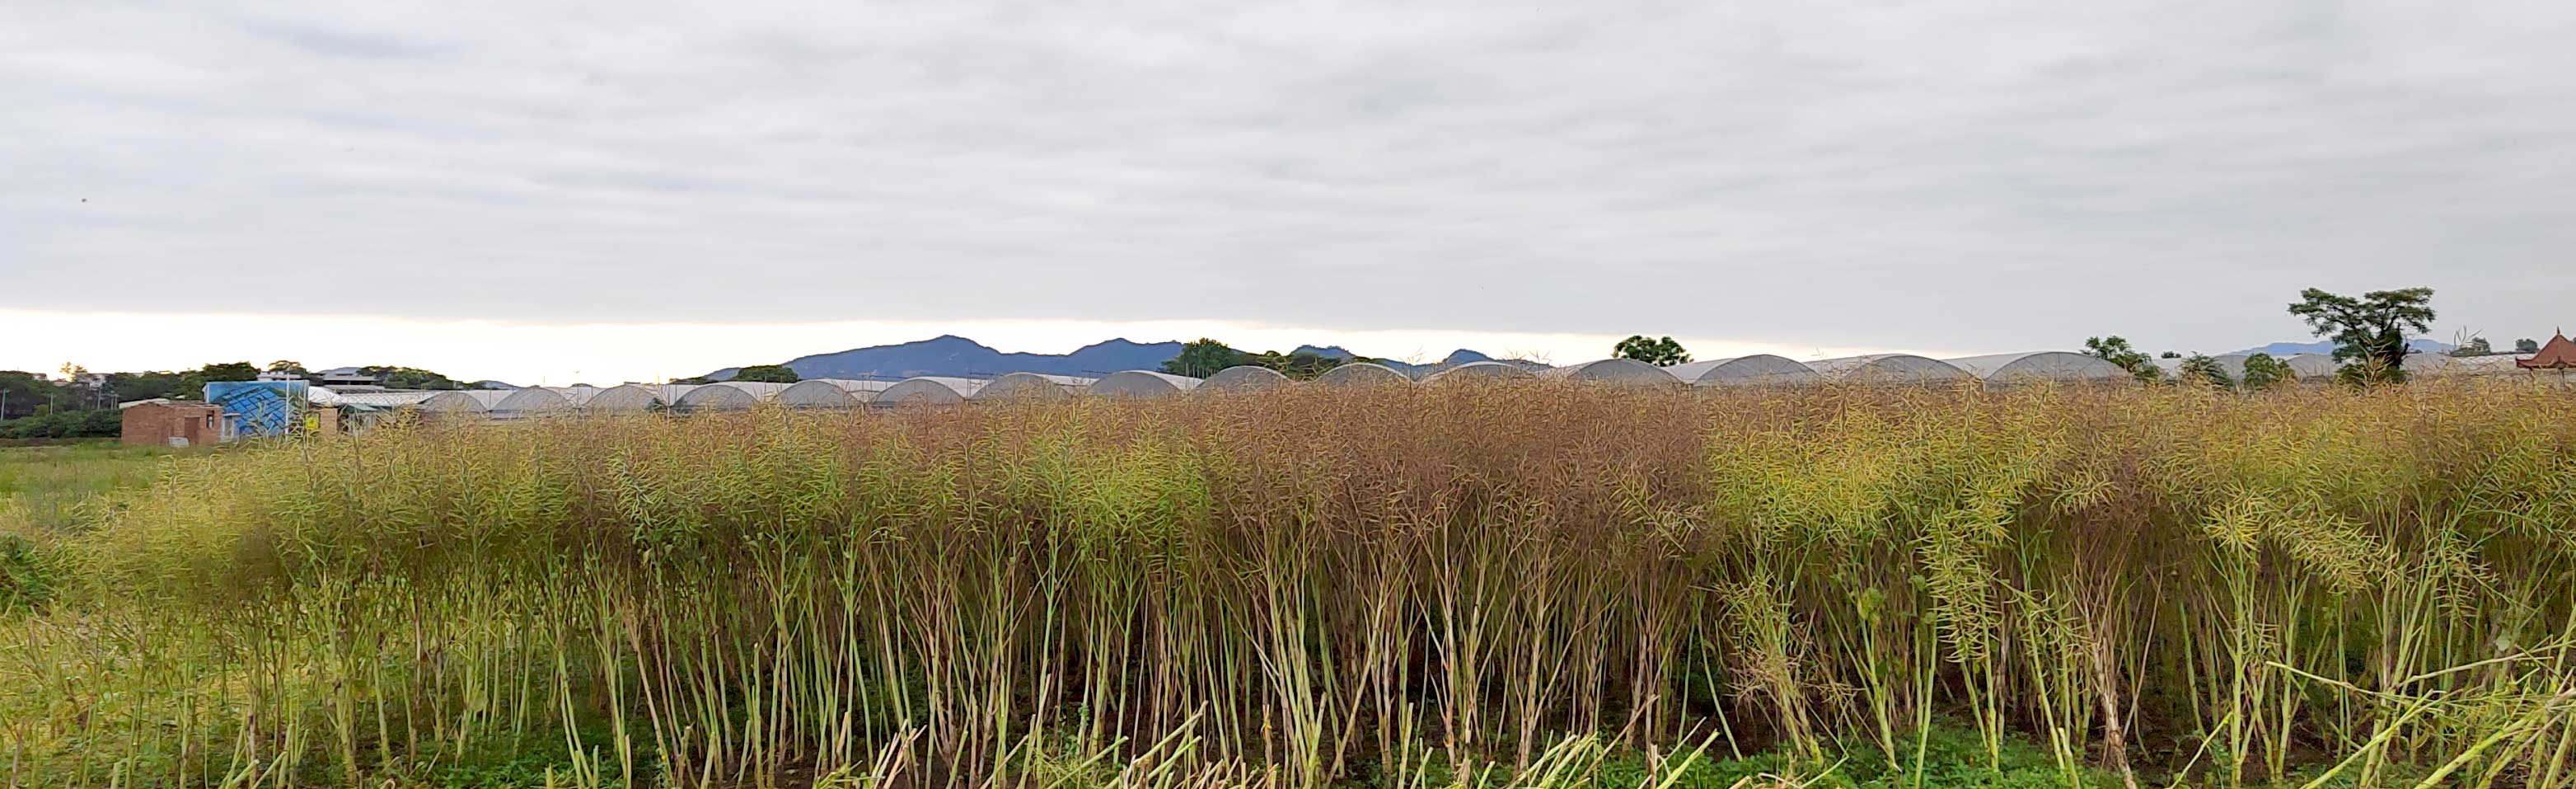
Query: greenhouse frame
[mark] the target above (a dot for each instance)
(1244, 378)
(542, 400)
(2005, 369)
(463, 401)
(1622, 372)
(1481, 371)
(1142, 384)
(728, 396)
(1884, 369)
(1031, 386)
(1759, 369)
(636, 398)
(929, 389)
(1362, 374)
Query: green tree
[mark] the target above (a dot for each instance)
(290, 367)
(228, 371)
(1663, 352)
(1297, 366)
(22, 394)
(767, 373)
(89, 423)
(2199, 368)
(1202, 358)
(2262, 371)
(192, 384)
(2370, 331)
(409, 377)
(2526, 345)
(2476, 346)
(129, 387)
(2116, 350)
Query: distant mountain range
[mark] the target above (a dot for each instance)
(951, 355)
(2419, 345)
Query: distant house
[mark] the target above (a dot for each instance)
(161, 422)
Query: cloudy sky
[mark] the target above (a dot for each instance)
(514, 190)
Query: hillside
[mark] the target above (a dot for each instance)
(951, 355)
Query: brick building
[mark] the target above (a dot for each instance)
(161, 423)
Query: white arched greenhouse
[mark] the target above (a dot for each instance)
(463, 402)
(1624, 372)
(1484, 371)
(728, 396)
(635, 398)
(1362, 374)
(542, 400)
(2313, 367)
(829, 393)
(2433, 364)
(1244, 378)
(1031, 386)
(1887, 369)
(1759, 369)
(1142, 384)
(930, 390)
(2002, 369)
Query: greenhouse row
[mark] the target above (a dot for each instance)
(1756, 370)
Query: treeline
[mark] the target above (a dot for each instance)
(82, 404)
(1204, 357)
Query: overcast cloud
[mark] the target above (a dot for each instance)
(1964, 175)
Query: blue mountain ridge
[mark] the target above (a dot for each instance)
(951, 355)
(2418, 345)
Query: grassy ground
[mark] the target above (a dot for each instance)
(49, 487)
(50, 491)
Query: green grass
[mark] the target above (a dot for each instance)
(49, 491)
(48, 487)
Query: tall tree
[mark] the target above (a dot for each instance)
(2117, 350)
(2199, 368)
(2262, 371)
(1661, 352)
(2526, 345)
(1202, 358)
(767, 373)
(290, 367)
(2370, 331)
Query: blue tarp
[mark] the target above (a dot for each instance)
(260, 408)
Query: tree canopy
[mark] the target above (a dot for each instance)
(2370, 331)
(1203, 357)
(1661, 352)
(2200, 368)
(2263, 371)
(2116, 350)
(410, 378)
(767, 373)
